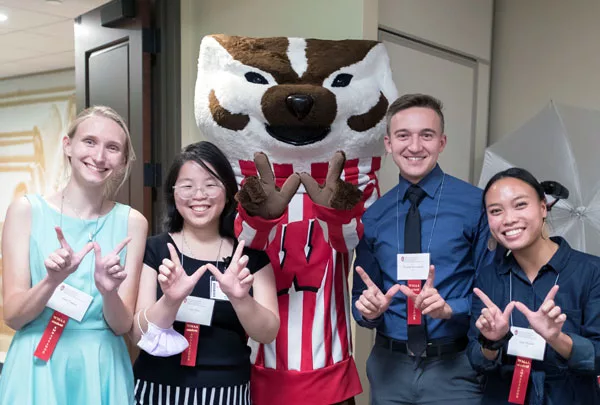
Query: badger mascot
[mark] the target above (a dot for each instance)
(301, 121)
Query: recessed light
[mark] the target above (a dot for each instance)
(55, 2)
(3, 17)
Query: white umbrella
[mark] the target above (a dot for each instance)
(560, 143)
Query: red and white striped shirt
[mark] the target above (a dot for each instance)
(311, 248)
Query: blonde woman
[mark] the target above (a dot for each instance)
(71, 268)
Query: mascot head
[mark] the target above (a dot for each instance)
(298, 100)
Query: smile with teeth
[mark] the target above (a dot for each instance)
(200, 208)
(415, 158)
(95, 168)
(513, 232)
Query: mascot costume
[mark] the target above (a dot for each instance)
(302, 122)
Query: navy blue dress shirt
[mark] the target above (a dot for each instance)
(554, 381)
(457, 245)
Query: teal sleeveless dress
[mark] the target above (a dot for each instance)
(90, 364)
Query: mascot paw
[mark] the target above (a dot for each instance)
(260, 196)
(345, 196)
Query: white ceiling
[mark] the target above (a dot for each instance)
(38, 36)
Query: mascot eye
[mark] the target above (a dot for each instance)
(342, 80)
(257, 78)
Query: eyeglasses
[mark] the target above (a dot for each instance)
(188, 191)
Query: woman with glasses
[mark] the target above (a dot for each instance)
(201, 292)
(535, 324)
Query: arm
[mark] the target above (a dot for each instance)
(341, 228)
(259, 314)
(256, 231)
(119, 304)
(22, 302)
(482, 257)
(366, 260)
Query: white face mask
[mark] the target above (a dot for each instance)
(160, 342)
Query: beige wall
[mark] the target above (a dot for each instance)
(330, 19)
(543, 49)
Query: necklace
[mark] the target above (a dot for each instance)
(91, 235)
(191, 253)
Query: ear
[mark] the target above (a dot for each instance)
(387, 141)
(443, 140)
(66, 141)
(544, 208)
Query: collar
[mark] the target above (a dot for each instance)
(429, 183)
(557, 262)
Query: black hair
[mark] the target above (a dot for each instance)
(203, 153)
(520, 174)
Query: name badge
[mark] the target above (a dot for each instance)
(215, 290)
(412, 266)
(196, 310)
(70, 301)
(526, 343)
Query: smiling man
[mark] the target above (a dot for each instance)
(432, 218)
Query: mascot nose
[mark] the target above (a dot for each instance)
(299, 104)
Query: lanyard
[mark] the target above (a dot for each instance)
(437, 209)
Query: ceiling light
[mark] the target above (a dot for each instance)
(55, 2)
(3, 17)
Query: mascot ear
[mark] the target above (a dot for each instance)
(213, 56)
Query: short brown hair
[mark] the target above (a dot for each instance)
(414, 100)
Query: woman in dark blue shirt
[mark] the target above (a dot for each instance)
(539, 283)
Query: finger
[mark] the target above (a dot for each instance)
(364, 311)
(244, 273)
(64, 253)
(198, 274)
(426, 294)
(173, 255)
(554, 312)
(546, 306)
(336, 165)
(237, 255)
(247, 280)
(430, 277)
(112, 260)
(310, 184)
(263, 167)
(560, 319)
(522, 308)
(482, 323)
(427, 301)
(241, 265)
(50, 265)
(484, 298)
(83, 252)
(365, 278)
(408, 292)
(508, 310)
(162, 279)
(290, 186)
(552, 293)
(57, 259)
(165, 271)
(485, 313)
(97, 252)
(115, 269)
(120, 276)
(122, 245)
(61, 238)
(215, 272)
(170, 265)
(431, 308)
(393, 290)
(369, 305)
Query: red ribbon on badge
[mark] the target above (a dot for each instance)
(413, 315)
(191, 333)
(52, 333)
(518, 388)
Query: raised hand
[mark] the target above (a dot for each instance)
(108, 272)
(373, 302)
(236, 281)
(429, 301)
(493, 323)
(335, 193)
(63, 261)
(174, 281)
(548, 320)
(260, 196)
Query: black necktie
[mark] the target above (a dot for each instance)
(417, 334)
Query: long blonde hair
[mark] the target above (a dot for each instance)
(119, 178)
